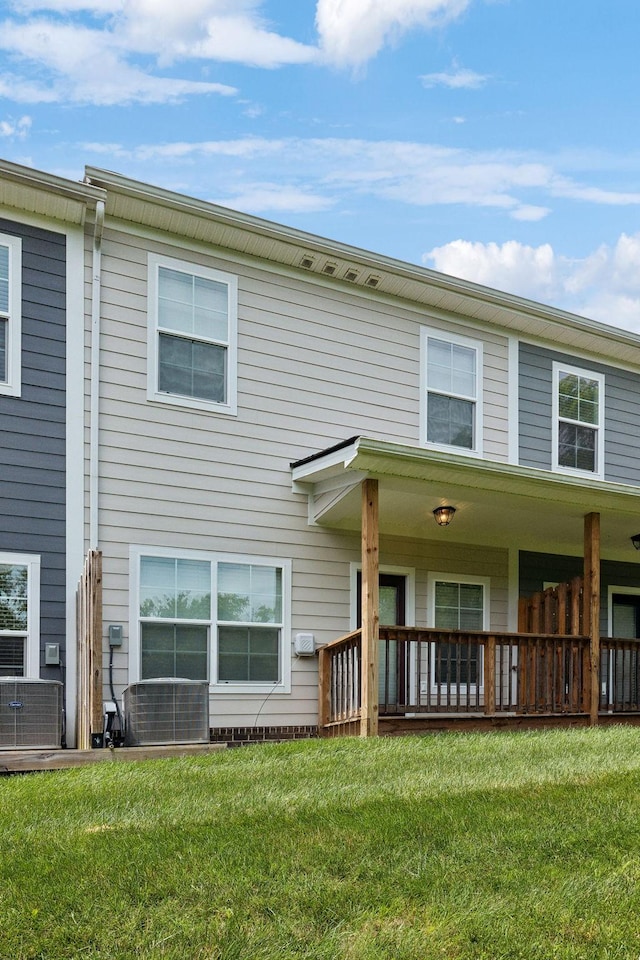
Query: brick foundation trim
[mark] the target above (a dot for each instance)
(240, 735)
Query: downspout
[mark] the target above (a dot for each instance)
(94, 417)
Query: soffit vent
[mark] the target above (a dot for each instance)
(330, 268)
(351, 275)
(307, 262)
(372, 280)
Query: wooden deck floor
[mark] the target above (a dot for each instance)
(30, 761)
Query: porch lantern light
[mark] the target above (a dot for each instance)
(635, 540)
(444, 516)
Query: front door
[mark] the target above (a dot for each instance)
(391, 671)
(623, 666)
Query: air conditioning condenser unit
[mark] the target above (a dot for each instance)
(166, 710)
(30, 713)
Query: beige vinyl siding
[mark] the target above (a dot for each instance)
(317, 364)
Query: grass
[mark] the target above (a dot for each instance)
(473, 847)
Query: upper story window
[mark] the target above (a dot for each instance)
(578, 420)
(192, 335)
(451, 392)
(220, 618)
(10, 314)
(19, 615)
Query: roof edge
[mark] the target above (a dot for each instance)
(115, 182)
(49, 182)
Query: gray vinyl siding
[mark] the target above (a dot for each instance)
(539, 568)
(622, 412)
(317, 364)
(33, 431)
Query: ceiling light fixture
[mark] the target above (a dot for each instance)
(444, 516)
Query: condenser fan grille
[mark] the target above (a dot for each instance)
(30, 713)
(166, 710)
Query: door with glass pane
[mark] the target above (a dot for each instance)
(623, 665)
(457, 667)
(392, 604)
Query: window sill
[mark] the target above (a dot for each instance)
(9, 390)
(582, 474)
(259, 689)
(192, 403)
(451, 448)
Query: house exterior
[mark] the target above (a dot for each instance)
(43, 221)
(271, 420)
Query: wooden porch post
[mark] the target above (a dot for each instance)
(591, 609)
(370, 609)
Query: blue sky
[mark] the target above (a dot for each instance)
(497, 140)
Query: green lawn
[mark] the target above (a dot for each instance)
(452, 846)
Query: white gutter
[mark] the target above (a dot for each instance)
(94, 420)
(279, 233)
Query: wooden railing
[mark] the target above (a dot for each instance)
(429, 671)
(619, 676)
(340, 685)
(557, 610)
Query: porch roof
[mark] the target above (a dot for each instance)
(497, 504)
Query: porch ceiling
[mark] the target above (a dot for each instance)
(497, 504)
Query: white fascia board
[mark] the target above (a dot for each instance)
(274, 232)
(323, 467)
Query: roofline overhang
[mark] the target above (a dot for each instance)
(377, 263)
(25, 180)
(365, 456)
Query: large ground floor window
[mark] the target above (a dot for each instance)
(19, 615)
(214, 617)
(458, 604)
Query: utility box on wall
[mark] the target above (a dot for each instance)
(304, 644)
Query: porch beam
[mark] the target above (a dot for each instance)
(591, 607)
(370, 608)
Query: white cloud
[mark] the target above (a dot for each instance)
(110, 51)
(530, 212)
(273, 197)
(416, 174)
(605, 285)
(514, 267)
(206, 29)
(457, 79)
(353, 31)
(15, 129)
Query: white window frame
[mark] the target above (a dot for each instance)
(433, 333)
(598, 473)
(230, 687)
(230, 407)
(485, 583)
(32, 639)
(12, 386)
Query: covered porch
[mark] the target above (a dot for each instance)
(555, 664)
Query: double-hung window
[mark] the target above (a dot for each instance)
(451, 392)
(10, 314)
(192, 335)
(19, 615)
(458, 604)
(578, 420)
(213, 617)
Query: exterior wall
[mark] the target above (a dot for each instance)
(33, 429)
(539, 568)
(316, 366)
(622, 412)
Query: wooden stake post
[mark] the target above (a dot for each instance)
(591, 608)
(370, 609)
